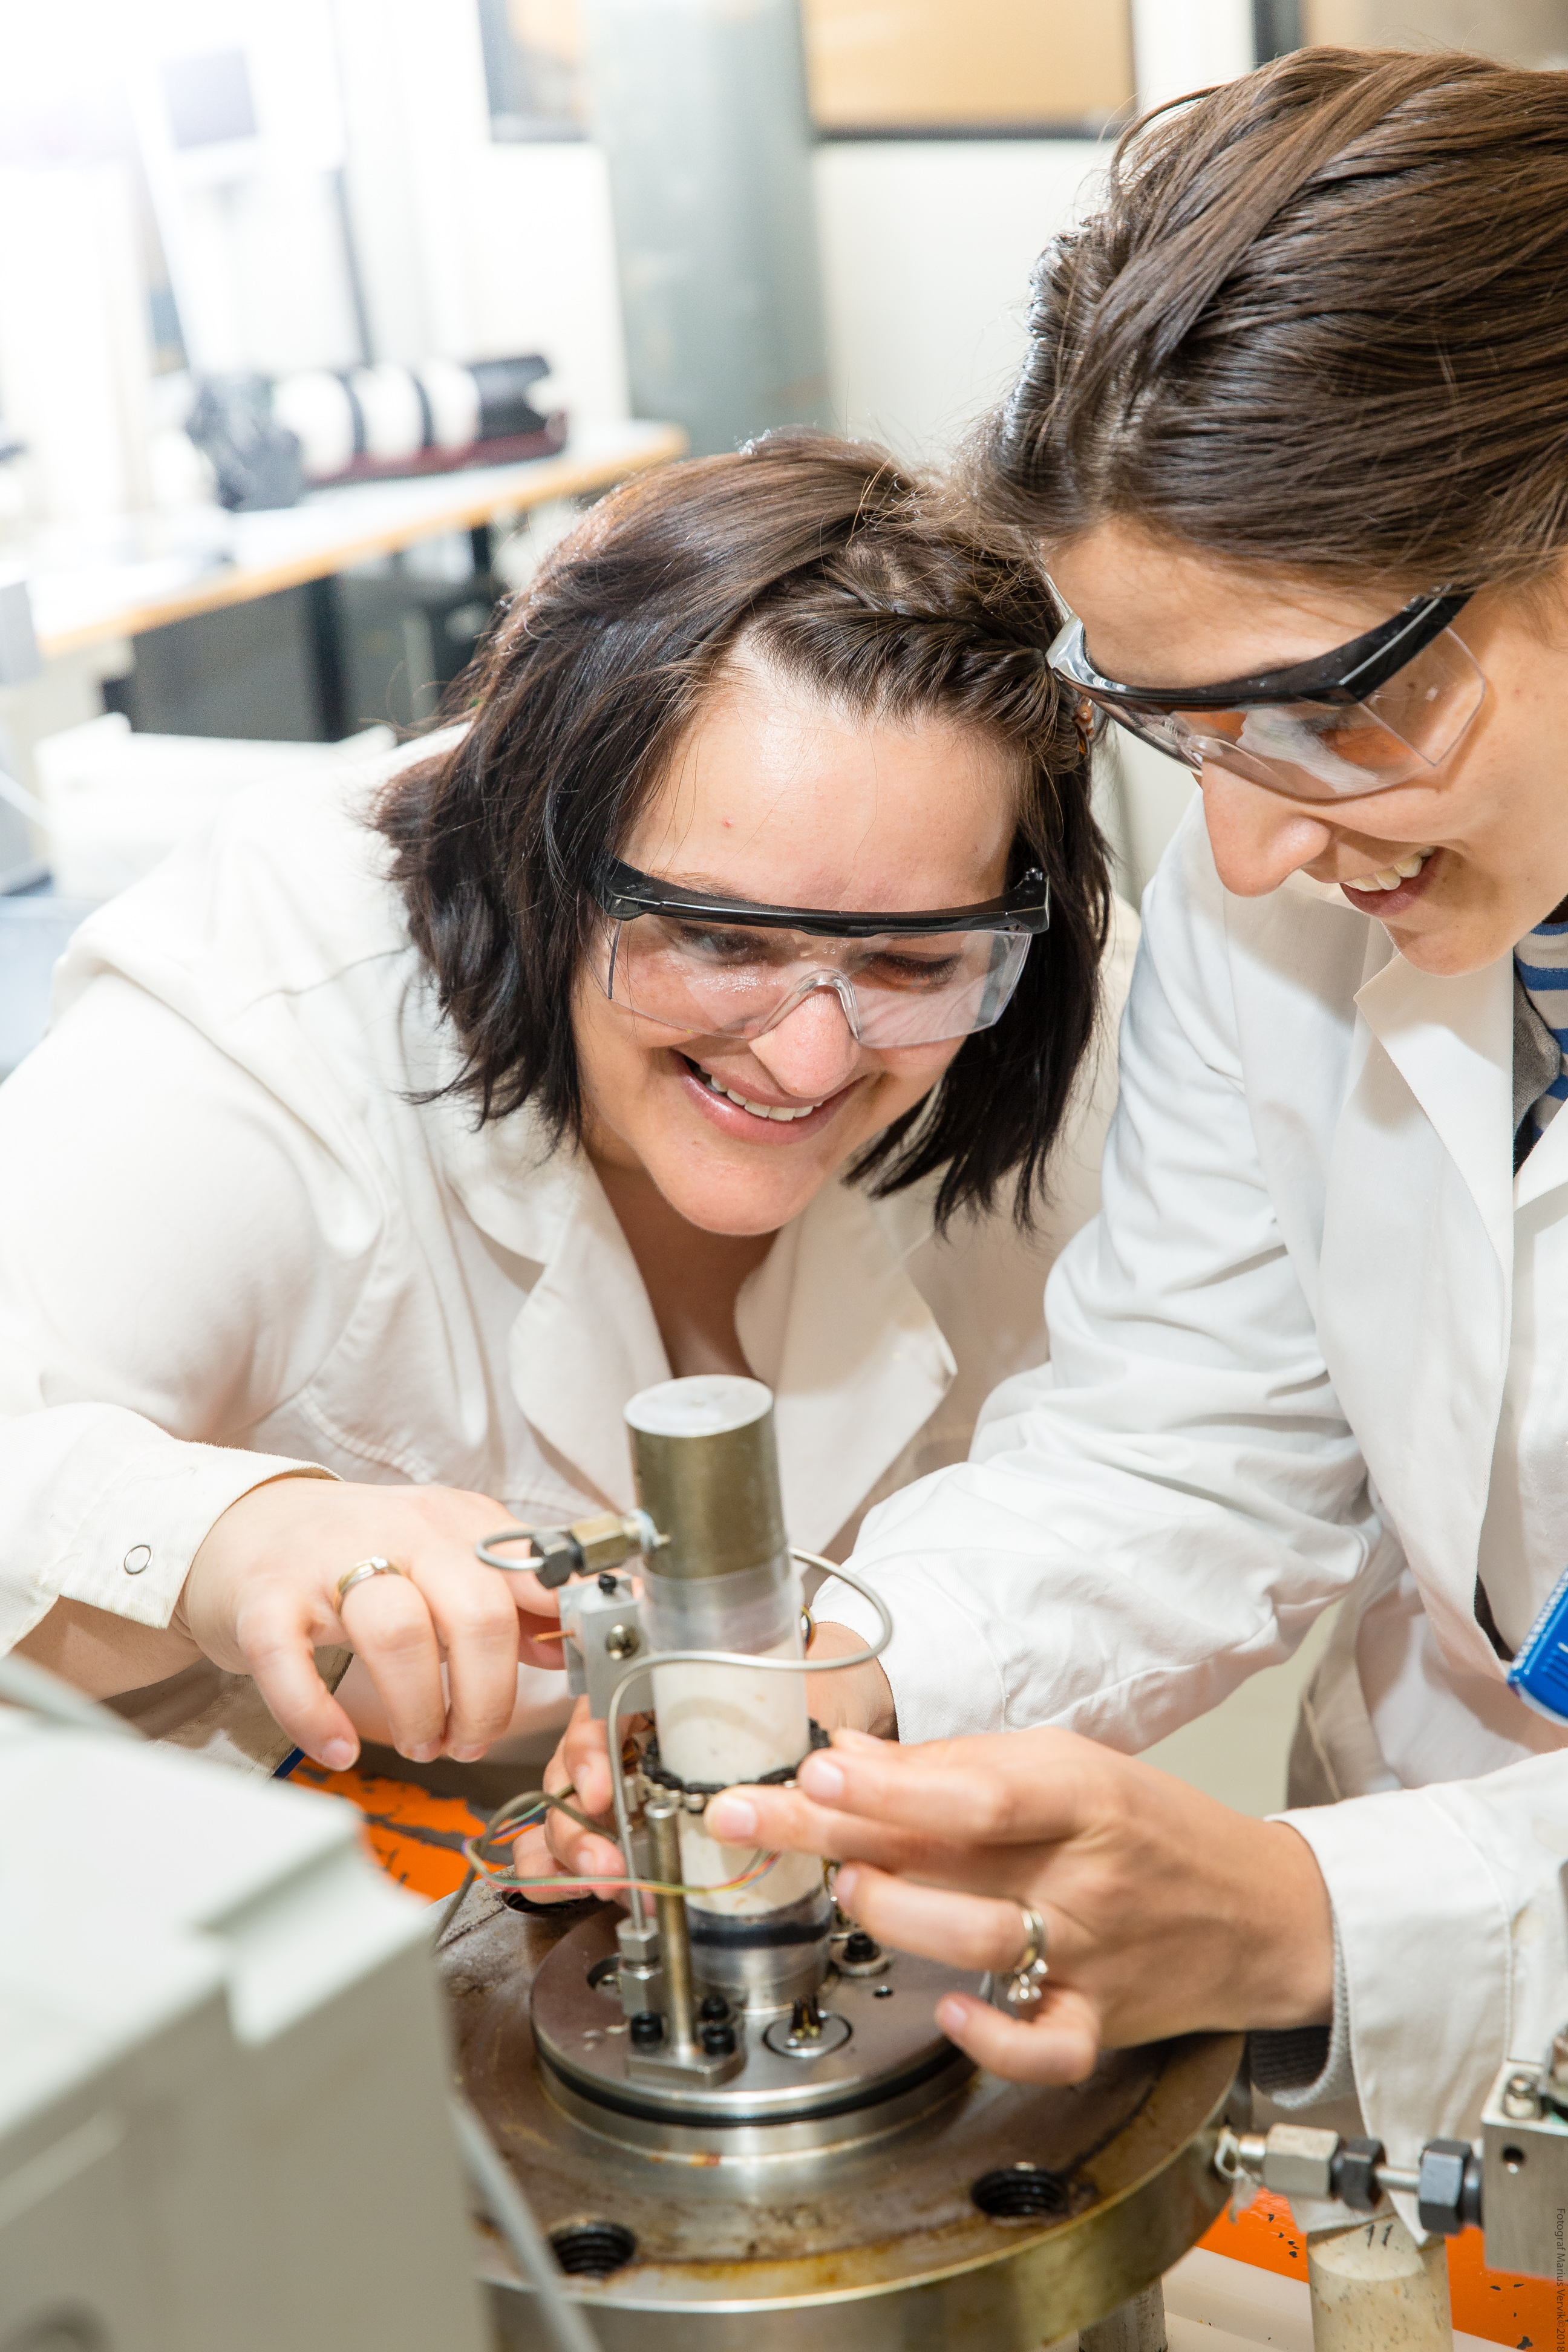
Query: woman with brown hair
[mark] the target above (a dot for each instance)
(1292, 436)
(713, 999)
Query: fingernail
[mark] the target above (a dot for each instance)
(844, 1738)
(585, 1860)
(952, 2014)
(339, 1754)
(821, 1778)
(425, 1753)
(845, 1885)
(469, 1753)
(732, 1817)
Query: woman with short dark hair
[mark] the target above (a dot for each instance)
(711, 999)
(1292, 436)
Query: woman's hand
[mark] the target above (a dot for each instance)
(1165, 1912)
(262, 1595)
(858, 1695)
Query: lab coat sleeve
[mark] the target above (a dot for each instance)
(98, 1505)
(1166, 1506)
(1451, 1911)
(168, 1247)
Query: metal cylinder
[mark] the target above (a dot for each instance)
(663, 1815)
(707, 1474)
(706, 1467)
(1375, 2290)
(1138, 2326)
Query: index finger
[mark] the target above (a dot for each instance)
(1002, 1789)
(279, 1652)
(786, 1820)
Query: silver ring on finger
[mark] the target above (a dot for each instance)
(1023, 1984)
(361, 1570)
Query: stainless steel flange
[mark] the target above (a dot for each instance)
(955, 2214)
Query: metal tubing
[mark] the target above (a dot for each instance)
(662, 1813)
(1138, 2326)
(509, 2209)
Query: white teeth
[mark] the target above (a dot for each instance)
(758, 1110)
(1389, 878)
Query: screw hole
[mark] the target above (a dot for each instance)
(1513, 2157)
(1021, 2192)
(593, 2249)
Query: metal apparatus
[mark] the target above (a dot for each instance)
(731, 2110)
(1514, 2183)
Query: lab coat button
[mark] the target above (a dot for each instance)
(139, 1557)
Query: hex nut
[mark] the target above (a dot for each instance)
(1448, 2192)
(1355, 2173)
(1298, 2161)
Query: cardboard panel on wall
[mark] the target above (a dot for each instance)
(897, 65)
(1525, 32)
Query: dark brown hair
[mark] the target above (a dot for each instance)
(1319, 320)
(851, 574)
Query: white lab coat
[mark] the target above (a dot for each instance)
(1315, 1346)
(224, 1222)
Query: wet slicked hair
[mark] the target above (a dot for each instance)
(1319, 322)
(848, 573)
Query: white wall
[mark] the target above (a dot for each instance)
(927, 245)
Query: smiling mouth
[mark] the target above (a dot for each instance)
(1390, 877)
(780, 1111)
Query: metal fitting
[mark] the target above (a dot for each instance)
(584, 1548)
(1448, 2187)
(601, 1619)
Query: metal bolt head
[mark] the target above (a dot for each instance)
(1519, 2098)
(861, 1947)
(646, 2030)
(715, 2008)
(622, 1641)
(718, 2039)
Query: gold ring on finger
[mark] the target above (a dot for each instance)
(361, 1568)
(1023, 1986)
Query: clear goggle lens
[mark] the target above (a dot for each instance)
(1326, 751)
(725, 980)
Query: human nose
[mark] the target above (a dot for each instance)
(812, 1052)
(1259, 839)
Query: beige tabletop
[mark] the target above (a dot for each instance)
(83, 604)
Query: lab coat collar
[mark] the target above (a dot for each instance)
(831, 1320)
(1451, 1040)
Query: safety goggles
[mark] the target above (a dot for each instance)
(1376, 712)
(713, 967)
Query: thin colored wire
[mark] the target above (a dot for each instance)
(520, 1815)
(758, 1868)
